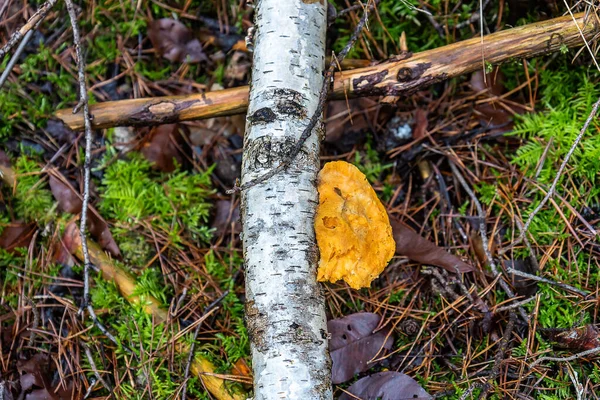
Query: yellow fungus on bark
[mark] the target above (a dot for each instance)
(353, 230)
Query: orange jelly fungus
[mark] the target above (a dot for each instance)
(353, 230)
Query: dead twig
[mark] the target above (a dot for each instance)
(574, 357)
(487, 386)
(31, 24)
(83, 104)
(561, 285)
(484, 238)
(15, 57)
(90, 358)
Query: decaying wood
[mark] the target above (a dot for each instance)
(401, 75)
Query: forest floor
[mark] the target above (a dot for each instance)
(443, 160)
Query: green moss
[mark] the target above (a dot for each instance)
(33, 199)
(135, 195)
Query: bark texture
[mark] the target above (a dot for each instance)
(285, 311)
(398, 76)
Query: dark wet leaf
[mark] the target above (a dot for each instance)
(33, 371)
(69, 201)
(17, 234)
(225, 217)
(420, 129)
(238, 69)
(523, 286)
(66, 197)
(61, 132)
(36, 380)
(162, 147)
(389, 385)
(493, 83)
(347, 122)
(413, 246)
(354, 343)
(175, 42)
(576, 339)
(7, 175)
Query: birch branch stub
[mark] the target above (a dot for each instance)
(285, 310)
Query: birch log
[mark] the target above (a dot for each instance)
(285, 311)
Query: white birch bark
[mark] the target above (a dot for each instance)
(285, 310)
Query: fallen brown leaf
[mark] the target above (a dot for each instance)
(175, 42)
(413, 246)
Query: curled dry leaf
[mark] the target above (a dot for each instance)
(36, 377)
(352, 227)
(413, 246)
(175, 42)
(576, 339)
(69, 201)
(226, 218)
(162, 147)
(15, 235)
(354, 343)
(7, 175)
(388, 385)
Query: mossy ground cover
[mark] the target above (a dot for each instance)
(161, 221)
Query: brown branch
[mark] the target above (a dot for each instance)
(398, 76)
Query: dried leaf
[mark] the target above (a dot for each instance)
(162, 147)
(352, 227)
(346, 122)
(69, 201)
(226, 219)
(7, 174)
(175, 42)
(420, 129)
(17, 234)
(238, 69)
(493, 83)
(577, 339)
(413, 246)
(388, 385)
(354, 343)
(203, 368)
(523, 286)
(60, 131)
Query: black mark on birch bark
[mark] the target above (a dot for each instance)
(262, 116)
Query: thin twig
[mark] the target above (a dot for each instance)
(15, 57)
(514, 305)
(31, 24)
(186, 374)
(317, 115)
(36, 320)
(566, 359)
(83, 102)
(476, 16)
(99, 378)
(573, 289)
(550, 192)
(484, 238)
(499, 355)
